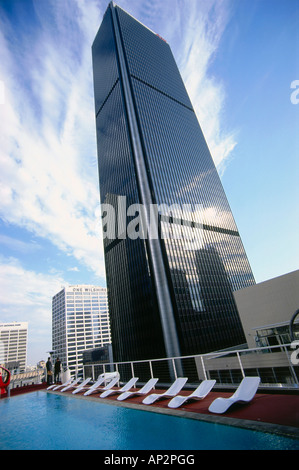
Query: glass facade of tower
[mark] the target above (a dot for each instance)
(135, 74)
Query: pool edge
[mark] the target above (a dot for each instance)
(259, 426)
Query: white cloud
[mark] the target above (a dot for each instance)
(75, 269)
(18, 245)
(2, 92)
(194, 29)
(49, 181)
(27, 296)
(196, 41)
(30, 289)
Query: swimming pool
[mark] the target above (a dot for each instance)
(44, 421)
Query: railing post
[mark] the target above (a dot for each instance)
(116, 367)
(132, 369)
(174, 368)
(151, 369)
(203, 367)
(242, 370)
(291, 367)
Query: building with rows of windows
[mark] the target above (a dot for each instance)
(80, 321)
(13, 345)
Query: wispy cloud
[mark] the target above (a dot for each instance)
(49, 182)
(194, 30)
(75, 269)
(18, 245)
(30, 289)
(202, 27)
(28, 295)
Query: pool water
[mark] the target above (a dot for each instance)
(44, 421)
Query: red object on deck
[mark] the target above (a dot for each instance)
(4, 380)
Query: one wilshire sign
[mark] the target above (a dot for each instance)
(173, 253)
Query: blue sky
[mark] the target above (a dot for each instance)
(238, 59)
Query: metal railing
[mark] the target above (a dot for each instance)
(276, 366)
(27, 378)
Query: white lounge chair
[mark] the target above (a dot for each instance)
(125, 388)
(199, 394)
(68, 382)
(109, 376)
(98, 383)
(143, 391)
(54, 386)
(244, 394)
(97, 388)
(175, 388)
(105, 378)
(81, 386)
(74, 384)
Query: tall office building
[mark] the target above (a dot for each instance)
(80, 321)
(170, 292)
(13, 344)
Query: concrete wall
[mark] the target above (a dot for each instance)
(267, 303)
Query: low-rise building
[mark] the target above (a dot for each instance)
(266, 310)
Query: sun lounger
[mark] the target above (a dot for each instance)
(70, 381)
(81, 386)
(175, 388)
(125, 388)
(244, 394)
(109, 375)
(105, 379)
(98, 383)
(199, 394)
(51, 386)
(143, 391)
(98, 388)
(74, 384)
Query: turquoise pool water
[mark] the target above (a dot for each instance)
(43, 421)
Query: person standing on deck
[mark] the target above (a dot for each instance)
(49, 371)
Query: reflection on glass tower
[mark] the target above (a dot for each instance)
(220, 311)
(165, 298)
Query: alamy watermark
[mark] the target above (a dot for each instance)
(152, 222)
(295, 354)
(295, 94)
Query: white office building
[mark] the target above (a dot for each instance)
(13, 344)
(80, 321)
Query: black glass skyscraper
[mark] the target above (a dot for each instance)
(168, 295)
